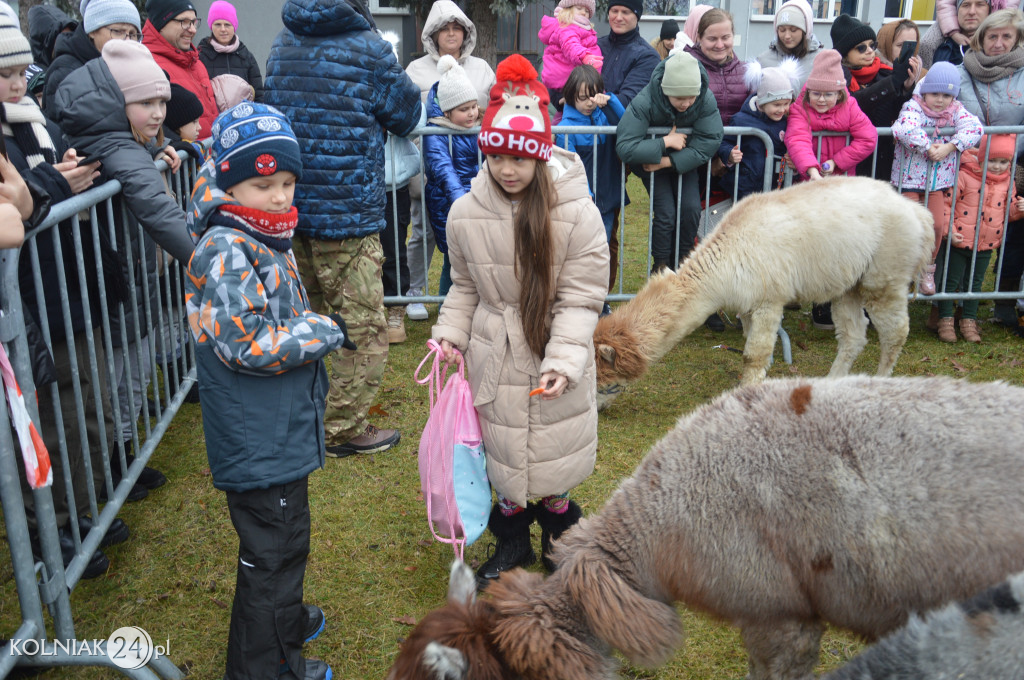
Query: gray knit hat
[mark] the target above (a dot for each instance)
(14, 47)
(100, 13)
(454, 88)
(682, 76)
(774, 85)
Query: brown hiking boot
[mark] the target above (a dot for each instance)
(969, 329)
(947, 331)
(371, 440)
(396, 325)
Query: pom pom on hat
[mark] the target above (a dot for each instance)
(253, 140)
(942, 78)
(517, 123)
(773, 83)
(454, 87)
(827, 73)
(136, 74)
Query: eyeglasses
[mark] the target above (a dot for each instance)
(870, 47)
(822, 95)
(189, 23)
(120, 34)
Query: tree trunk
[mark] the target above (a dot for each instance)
(486, 22)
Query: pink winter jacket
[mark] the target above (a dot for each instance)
(968, 198)
(945, 13)
(566, 48)
(844, 117)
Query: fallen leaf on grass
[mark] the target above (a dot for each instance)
(957, 366)
(405, 620)
(219, 603)
(376, 410)
(924, 359)
(802, 345)
(410, 568)
(424, 543)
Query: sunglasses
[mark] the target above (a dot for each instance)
(870, 47)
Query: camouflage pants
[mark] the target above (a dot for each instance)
(345, 277)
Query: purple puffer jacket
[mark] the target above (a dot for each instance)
(726, 82)
(566, 48)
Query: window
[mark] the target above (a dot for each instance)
(674, 8)
(823, 9)
(916, 10)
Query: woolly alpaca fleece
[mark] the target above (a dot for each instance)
(862, 253)
(982, 637)
(778, 507)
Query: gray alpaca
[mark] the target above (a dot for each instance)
(982, 638)
(778, 507)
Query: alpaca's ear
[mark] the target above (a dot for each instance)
(647, 631)
(444, 663)
(607, 352)
(461, 584)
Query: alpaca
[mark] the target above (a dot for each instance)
(778, 507)
(979, 638)
(849, 240)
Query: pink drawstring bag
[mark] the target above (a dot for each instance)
(453, 470)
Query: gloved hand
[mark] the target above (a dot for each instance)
(900, 73)
(336, 318)
(594, 60)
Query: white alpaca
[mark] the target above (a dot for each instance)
(850, 241)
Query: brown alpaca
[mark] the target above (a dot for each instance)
(778, 507)
(852, 241)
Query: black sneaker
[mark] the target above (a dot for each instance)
(821, 317)
(97, 565)
(316, 621)
(117, 533)
(715, 323)
(371, 440)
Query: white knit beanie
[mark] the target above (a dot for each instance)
(454, 87)
(137, 75)
(14, 47)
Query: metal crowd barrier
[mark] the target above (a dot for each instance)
(155, 336)
(713, 213)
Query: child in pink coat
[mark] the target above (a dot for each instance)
(825, 105)
(570, 40)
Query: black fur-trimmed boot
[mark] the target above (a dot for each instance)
(512, 544)
(552, 526)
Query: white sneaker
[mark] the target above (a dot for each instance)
(416, 310)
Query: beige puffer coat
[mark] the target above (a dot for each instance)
(535, 448)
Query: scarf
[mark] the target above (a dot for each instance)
(865, 75)
(25, 123)
(583, 21)
(942, 119)
(990, 69)
(269, 229)
(225, 49)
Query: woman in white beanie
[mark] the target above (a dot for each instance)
(794, 37)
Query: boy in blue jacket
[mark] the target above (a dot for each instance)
(451, 161)
(586, 103)
(768, 111)
(259, 359)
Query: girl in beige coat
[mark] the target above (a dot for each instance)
(529, 265)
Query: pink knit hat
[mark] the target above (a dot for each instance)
(136, 74)
(222, 10)
(827, 73)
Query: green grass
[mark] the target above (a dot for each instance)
(374, 565)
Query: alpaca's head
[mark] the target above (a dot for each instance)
(517, 631)
(617, 351)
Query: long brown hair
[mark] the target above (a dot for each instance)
(531, 232)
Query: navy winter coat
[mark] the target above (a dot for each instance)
(342, 87)
(451, 163)
(73, 51)
(751, 168)
(239, 63)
